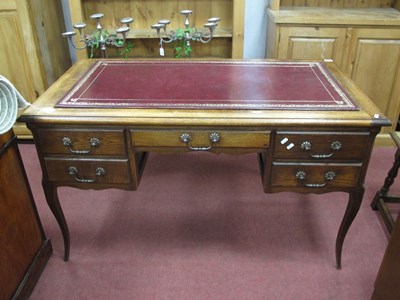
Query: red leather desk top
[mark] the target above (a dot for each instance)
(208, 85)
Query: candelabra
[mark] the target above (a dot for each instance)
(187, 35)
(100, 38)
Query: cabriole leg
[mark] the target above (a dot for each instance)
(352, 209)
(52, 200)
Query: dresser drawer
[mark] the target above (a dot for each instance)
(321, 145)
(82, 141)
(200, 139)
(315, 175)
(110, 171)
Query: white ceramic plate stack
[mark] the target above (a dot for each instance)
(10, 101)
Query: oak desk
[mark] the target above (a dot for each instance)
(311, 127)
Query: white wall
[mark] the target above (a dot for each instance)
(255, 29)
(68, 26)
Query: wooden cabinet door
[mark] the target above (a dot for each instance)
(373, 63)
(33, 52)
(24, 249)
(314, 43)
(387, 281)
(19, 60)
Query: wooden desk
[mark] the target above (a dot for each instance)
(303, 148)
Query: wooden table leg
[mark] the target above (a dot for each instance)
(52, 200)
(392, 174)
(352, 209)
(382, 197)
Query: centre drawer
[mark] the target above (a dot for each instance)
(82, 141)
(95, 171)
(321, 145)
(200, 138)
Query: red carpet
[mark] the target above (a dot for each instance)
(200, 227)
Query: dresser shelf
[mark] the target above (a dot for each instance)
(228, 41)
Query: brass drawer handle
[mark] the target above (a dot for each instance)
(93, 143)
(307, 146)
(73, 171)
(213, 137)
(329, 176)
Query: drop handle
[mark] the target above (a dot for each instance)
(302, 176)
(93, 143)
(214, 138)
(73, 171)
(307, 146)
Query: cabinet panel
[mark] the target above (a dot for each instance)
(316, 43)
(277, 4)
(374, 64)
(48, 23)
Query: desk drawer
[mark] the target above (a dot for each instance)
(82, 141)
(200, 139)
(321, 145)
(315, 175)
(94, 171)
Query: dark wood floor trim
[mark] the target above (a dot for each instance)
(35, 270)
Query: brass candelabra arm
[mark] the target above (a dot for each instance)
(186, 35)
(100, 38)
